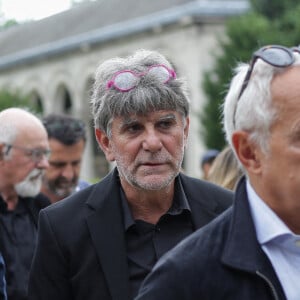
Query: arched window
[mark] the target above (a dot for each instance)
(63, 100)
(37, 102)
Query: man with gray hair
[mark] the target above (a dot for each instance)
(252, 251)
(23, 158)
(101, 242)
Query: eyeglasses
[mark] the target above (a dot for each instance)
(126, 80)
(36, 155)
(274, 55)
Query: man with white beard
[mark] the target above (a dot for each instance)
(24, 152)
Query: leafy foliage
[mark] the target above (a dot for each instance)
(9, 23)
(4, 24)
(269, 22)
(273, 9)
(16, 99)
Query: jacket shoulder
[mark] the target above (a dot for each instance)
(91, 197)
(206, 192)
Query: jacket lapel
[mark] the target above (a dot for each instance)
(106, 227)
(34, 205)
(200, 196)
(242, 249)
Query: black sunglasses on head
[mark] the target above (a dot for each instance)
(274, 55)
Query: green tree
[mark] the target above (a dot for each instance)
(269, 22)
(16, 99)
(9, 23)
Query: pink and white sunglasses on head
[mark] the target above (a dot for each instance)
(126, 80)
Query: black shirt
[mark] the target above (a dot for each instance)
(17, 244)
(146, 242)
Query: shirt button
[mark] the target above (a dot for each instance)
(157, 229)
(297, 243)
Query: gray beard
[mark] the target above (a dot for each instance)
(29, 187)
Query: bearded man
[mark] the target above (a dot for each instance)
(24, 152)
(67, 139)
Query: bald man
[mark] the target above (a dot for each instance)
(24, 154)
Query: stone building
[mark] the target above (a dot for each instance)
(53, 60)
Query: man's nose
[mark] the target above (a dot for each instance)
(68, 171)
(43, 163)
(152, 141)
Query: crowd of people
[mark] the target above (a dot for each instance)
(40, 164)
(147, 231)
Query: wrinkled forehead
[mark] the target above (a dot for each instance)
(285, 85)
(32, 137)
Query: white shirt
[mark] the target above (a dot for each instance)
(279, 243)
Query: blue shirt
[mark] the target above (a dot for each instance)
(81, 185)
(279, 243)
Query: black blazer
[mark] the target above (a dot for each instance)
(81, 250)
(35, 204)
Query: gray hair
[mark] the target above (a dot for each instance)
(254, 112)
(12, 121)
(8, 134)
(149, 95)
(8, 130)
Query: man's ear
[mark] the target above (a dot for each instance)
(105, 144)
(247, 152)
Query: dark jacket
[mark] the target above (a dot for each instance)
(81, 250)
(2, 279)
(223, 260)
(16, 274)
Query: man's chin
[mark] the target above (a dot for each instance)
(28, 188)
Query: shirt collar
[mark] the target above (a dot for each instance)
(267, 224)
(180, 204)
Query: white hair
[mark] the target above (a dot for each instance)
(31, 185)
(12, 121)
(8, 132)
(254, 112)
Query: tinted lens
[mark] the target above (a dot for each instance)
(277, 57)
(160, 72)
(125, 81)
